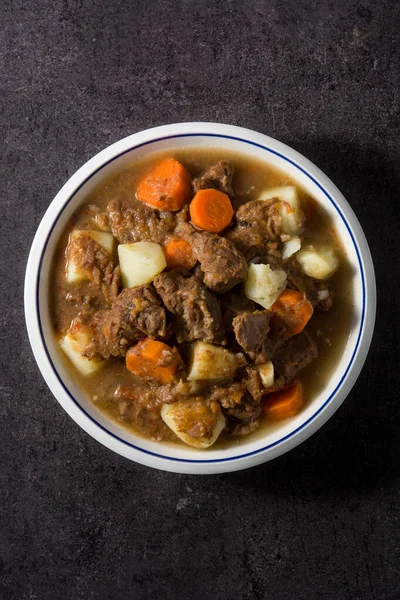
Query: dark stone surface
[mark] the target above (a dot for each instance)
(76, 520)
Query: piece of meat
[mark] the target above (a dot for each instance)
(97, 264)
(254, 384)
(222, 264)
(273, 341)
(285, 351)
(218, 176)
(90, 257)
(247, 411)
(111, 284)
(232, 304)
(251, 329)
(133, 221)
(136, 313)
(228, 395)
(258, 223)
(197, 314)
(198, 273)
(236, 402)
(295, 354)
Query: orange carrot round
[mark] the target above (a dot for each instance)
(293, 310)
(179, 254)
(166, 186)
(211, 210)
(153, 360)
(285, 403)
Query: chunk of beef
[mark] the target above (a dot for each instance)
(197, 314)
(222, 264)
(247, 411)
(136, 313)
(218, 176)
(90, 257)
(236, 402)
(229, 395)
(111, 285)
(232, 304)
(251, 329)
(298, 352)
(254, 385)
(198, 273)
(133, 221)
(258, 223)
(102, 288)
(273, 341)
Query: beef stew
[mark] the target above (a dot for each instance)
(188, 335)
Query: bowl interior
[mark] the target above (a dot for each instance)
(71, 392)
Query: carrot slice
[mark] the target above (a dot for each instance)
(211, 210)
(179, 254)
(285, 403)
(166, 186)
(293, 310)
(153, 360)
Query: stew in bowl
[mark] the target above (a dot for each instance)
(200, 296)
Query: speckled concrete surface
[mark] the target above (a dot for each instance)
(77, 521)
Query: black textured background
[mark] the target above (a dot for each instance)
(77, 521)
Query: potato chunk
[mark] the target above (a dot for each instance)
(292, 215)
(140, 262)
(318, 262)
(193, 421)
(76, 247)
(264, 285)
(73, 344)
(211, 363)
(291, 247)
(266, 372)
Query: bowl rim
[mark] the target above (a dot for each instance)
(212, 130)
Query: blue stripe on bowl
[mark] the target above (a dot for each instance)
(210, 135)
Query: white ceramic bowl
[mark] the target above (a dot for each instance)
(185, 459)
